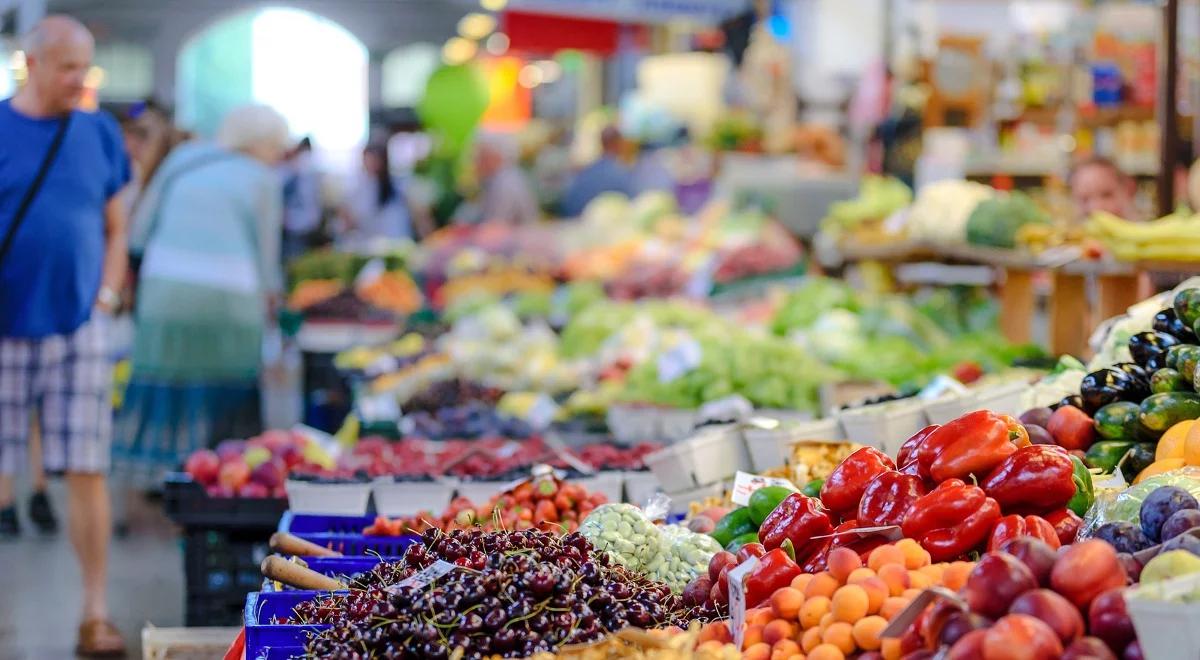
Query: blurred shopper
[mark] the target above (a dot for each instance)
(62, 259)
(606, 174)
(505, 194)
(208, 232)
(375, 206)
(1097, 184)
(650, 172)
(301, 200)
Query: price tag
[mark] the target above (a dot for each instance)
(941, 385)
(384, 364)
(371, 271)
(737, 599)
(679, 360)
(377, 408)
(744, 485)
(905, 618)
(889, 532)
(425, 576)
(700, 284)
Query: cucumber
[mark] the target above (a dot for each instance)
(1187, 364)
(1187, 306)
(1116, 420)
(1105, 454)
(1175, 352)
(1168, 380)
(1160, 412)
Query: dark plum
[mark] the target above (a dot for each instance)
(1039, 435)
(1123, 536)
(1180, 522)
(1161, 504)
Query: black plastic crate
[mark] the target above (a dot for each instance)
(221, 566)
(187, 504)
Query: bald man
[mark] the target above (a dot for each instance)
(62, 258)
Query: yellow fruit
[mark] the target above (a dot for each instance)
(1191, 446)
(1171, 444)
(1158, 467)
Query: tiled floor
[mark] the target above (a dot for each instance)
(39, 586)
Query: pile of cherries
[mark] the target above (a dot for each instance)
(512, 594)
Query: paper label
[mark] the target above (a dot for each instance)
(384, 364)
(737, 599)
(700, 284)
(941, 385)
(900, 623)
(371, 271)
(679, 360)
(377, 408)
(542, 412)
(744, 485)
(425, 576)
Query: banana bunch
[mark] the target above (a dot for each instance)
(1174, 237)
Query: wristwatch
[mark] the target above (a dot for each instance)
(108, 297)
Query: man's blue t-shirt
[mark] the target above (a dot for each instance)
(50, 277)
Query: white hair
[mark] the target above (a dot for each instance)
(503, 145)
(251, 126)
(52, 29)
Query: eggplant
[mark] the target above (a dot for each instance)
(1156, 362)
(1167, 322)
(1072, 400)
(1144, 345)
(1134, 370)
(1108, 385)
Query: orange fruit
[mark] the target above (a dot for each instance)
(842, 562)
(753, 635)
(825, 621)
(895, 577)
(892, 606)
(890, 648)
(860, 574)
(911, 593)
(801, 581)
(822, 584)
(918, 580)
(954, 576)
(883, 555)
(813, 609)
(786, 603)
(1191, 446)
(866, 632)
(810, 639)
(841, 635)
(914, 555)
(760, 615)
(1159, 467)
(826, 652)
(784, 649)
(877, 591)
(1173, 443)
(758, 651)
(850, 603)
(777, 630)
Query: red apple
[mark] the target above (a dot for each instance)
(995, 583)
(968, 647)
(1133, 651)
(1110, 620)
(203, 465)
(276, 441)
(1036, 554)
(1021, 637)
(1053, 610)
(279, 493)
(234, 473)
(1088, 648)
(719, 561)
(292, 457)
(936, 617)
(1086, 569)
(959, 625)
(696, 592)
(1072, 428)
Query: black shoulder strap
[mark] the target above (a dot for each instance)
(32, 191)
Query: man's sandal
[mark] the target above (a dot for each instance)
(99, 639)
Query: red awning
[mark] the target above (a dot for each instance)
(545, 33)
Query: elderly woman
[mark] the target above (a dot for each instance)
(208, 230)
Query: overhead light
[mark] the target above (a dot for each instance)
(493, 5)
(530, 76)
(458, 50)
(497, 43)
(551, 71)
(476, 25)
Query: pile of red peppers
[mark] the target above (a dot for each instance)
(965, 486)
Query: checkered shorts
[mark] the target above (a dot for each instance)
(67, 380)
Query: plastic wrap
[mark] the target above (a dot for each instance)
(1114, 506)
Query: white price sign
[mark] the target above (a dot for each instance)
(679, 360)
(737, 599)
(744, 485)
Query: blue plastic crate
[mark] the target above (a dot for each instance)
(279, 653)
(357, 544)
(262, 608)
(304, 523)
(331, 567)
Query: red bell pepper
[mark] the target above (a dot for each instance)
(908, 450)
(775, 570)
(816, 560)
(863, 545)
(887, 498)
(1066, 525)
(951, 520)
(749, 550)
(844, 487)
(973, 444)
(797, 518)
(1010, 527)
(1033, 479)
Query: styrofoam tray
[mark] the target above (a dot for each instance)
(633, 424)
(404, 498)
(884, 426)
(328, 499)
(1005, 398)
(675, 424)
(609, 482)
(1167, 630)
(769, 447)
(639, 486)
(672, 466)
(718, 453)
(950, 406)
